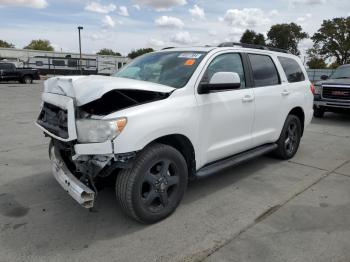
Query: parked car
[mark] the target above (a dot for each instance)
(333, 93)
(171, 116)
(9, 72)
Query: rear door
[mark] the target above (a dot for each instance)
(268, 93)
(225, 117)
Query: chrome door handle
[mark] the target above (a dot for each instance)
(247, 99)
(285, 93)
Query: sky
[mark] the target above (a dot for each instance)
(124, 25)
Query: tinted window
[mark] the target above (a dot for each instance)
(292, 69)
(264, 70)
(39, 63)
(226, 63)
(58, 62)
(6, 66)
(72, 63)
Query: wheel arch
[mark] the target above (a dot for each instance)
(299, 112)
(184, 145)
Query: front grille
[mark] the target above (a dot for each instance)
(335, 92)
(54, 119)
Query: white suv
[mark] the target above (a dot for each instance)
(171, 116)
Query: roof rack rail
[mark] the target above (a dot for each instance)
(170, 47)
(262, 47)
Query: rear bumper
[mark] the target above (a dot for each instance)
(76, 189)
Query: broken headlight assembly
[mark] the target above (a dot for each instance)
(99, 131)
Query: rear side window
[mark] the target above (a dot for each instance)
(292, 69)
(264, 70)
(6, 66)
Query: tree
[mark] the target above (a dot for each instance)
(333, 40)
(251, 37)
(316, 63)
(286, 36)
(40, 44)
(4, 44)
(135, 53)
(106, 51)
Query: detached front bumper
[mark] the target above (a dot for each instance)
(76, 189)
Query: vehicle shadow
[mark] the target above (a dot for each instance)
(37, 214)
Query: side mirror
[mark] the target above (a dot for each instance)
(220, 81)
(324, 77)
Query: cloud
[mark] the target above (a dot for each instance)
(39, 4)
(123, 11)
(306, 2)
(156, 43)
(137, 7)
(182, 38)
(107, 21)
(247, 17)
(99, 8)
(197, 12)
(169, 21)
(161, 5)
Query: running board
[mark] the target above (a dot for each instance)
(235, 160)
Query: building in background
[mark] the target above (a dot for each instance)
(63, 63)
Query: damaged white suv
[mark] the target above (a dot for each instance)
(171, 116)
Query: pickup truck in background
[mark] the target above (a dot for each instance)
(9, 72)
(332, 94)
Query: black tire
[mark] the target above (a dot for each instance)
(152, 189)
(27, 79)
(319, 112)
(290, 137)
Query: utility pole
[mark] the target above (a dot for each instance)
(80, 60)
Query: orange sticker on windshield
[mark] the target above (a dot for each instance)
(190, 62)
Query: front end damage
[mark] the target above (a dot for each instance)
(79, 165)
(78, 174)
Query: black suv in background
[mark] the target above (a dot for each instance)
(9, 72)
(333, 93)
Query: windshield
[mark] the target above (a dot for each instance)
(341, 72)
(167, 68)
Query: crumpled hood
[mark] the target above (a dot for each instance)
(85, 89)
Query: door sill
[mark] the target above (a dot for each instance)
(217, 166)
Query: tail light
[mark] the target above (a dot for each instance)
(312, 88)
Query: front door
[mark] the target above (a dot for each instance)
(225, 117)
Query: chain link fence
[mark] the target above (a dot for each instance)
(315, 74)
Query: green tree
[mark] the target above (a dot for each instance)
(251, 37)
(333, 40)
(135, 53)
(286, 36)
(4, 44)
(106, 51)
(316, 63)
(40, 44)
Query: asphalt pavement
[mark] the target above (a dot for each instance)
(265, 210)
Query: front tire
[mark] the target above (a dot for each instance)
(290, 137)
(153, 187)
(319, 112)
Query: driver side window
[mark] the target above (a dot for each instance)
(226, 63)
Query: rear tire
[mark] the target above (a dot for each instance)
(290, 137)
(319, 112)
(153, 187)
(27, 80)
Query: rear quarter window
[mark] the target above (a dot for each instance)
(292, 69)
